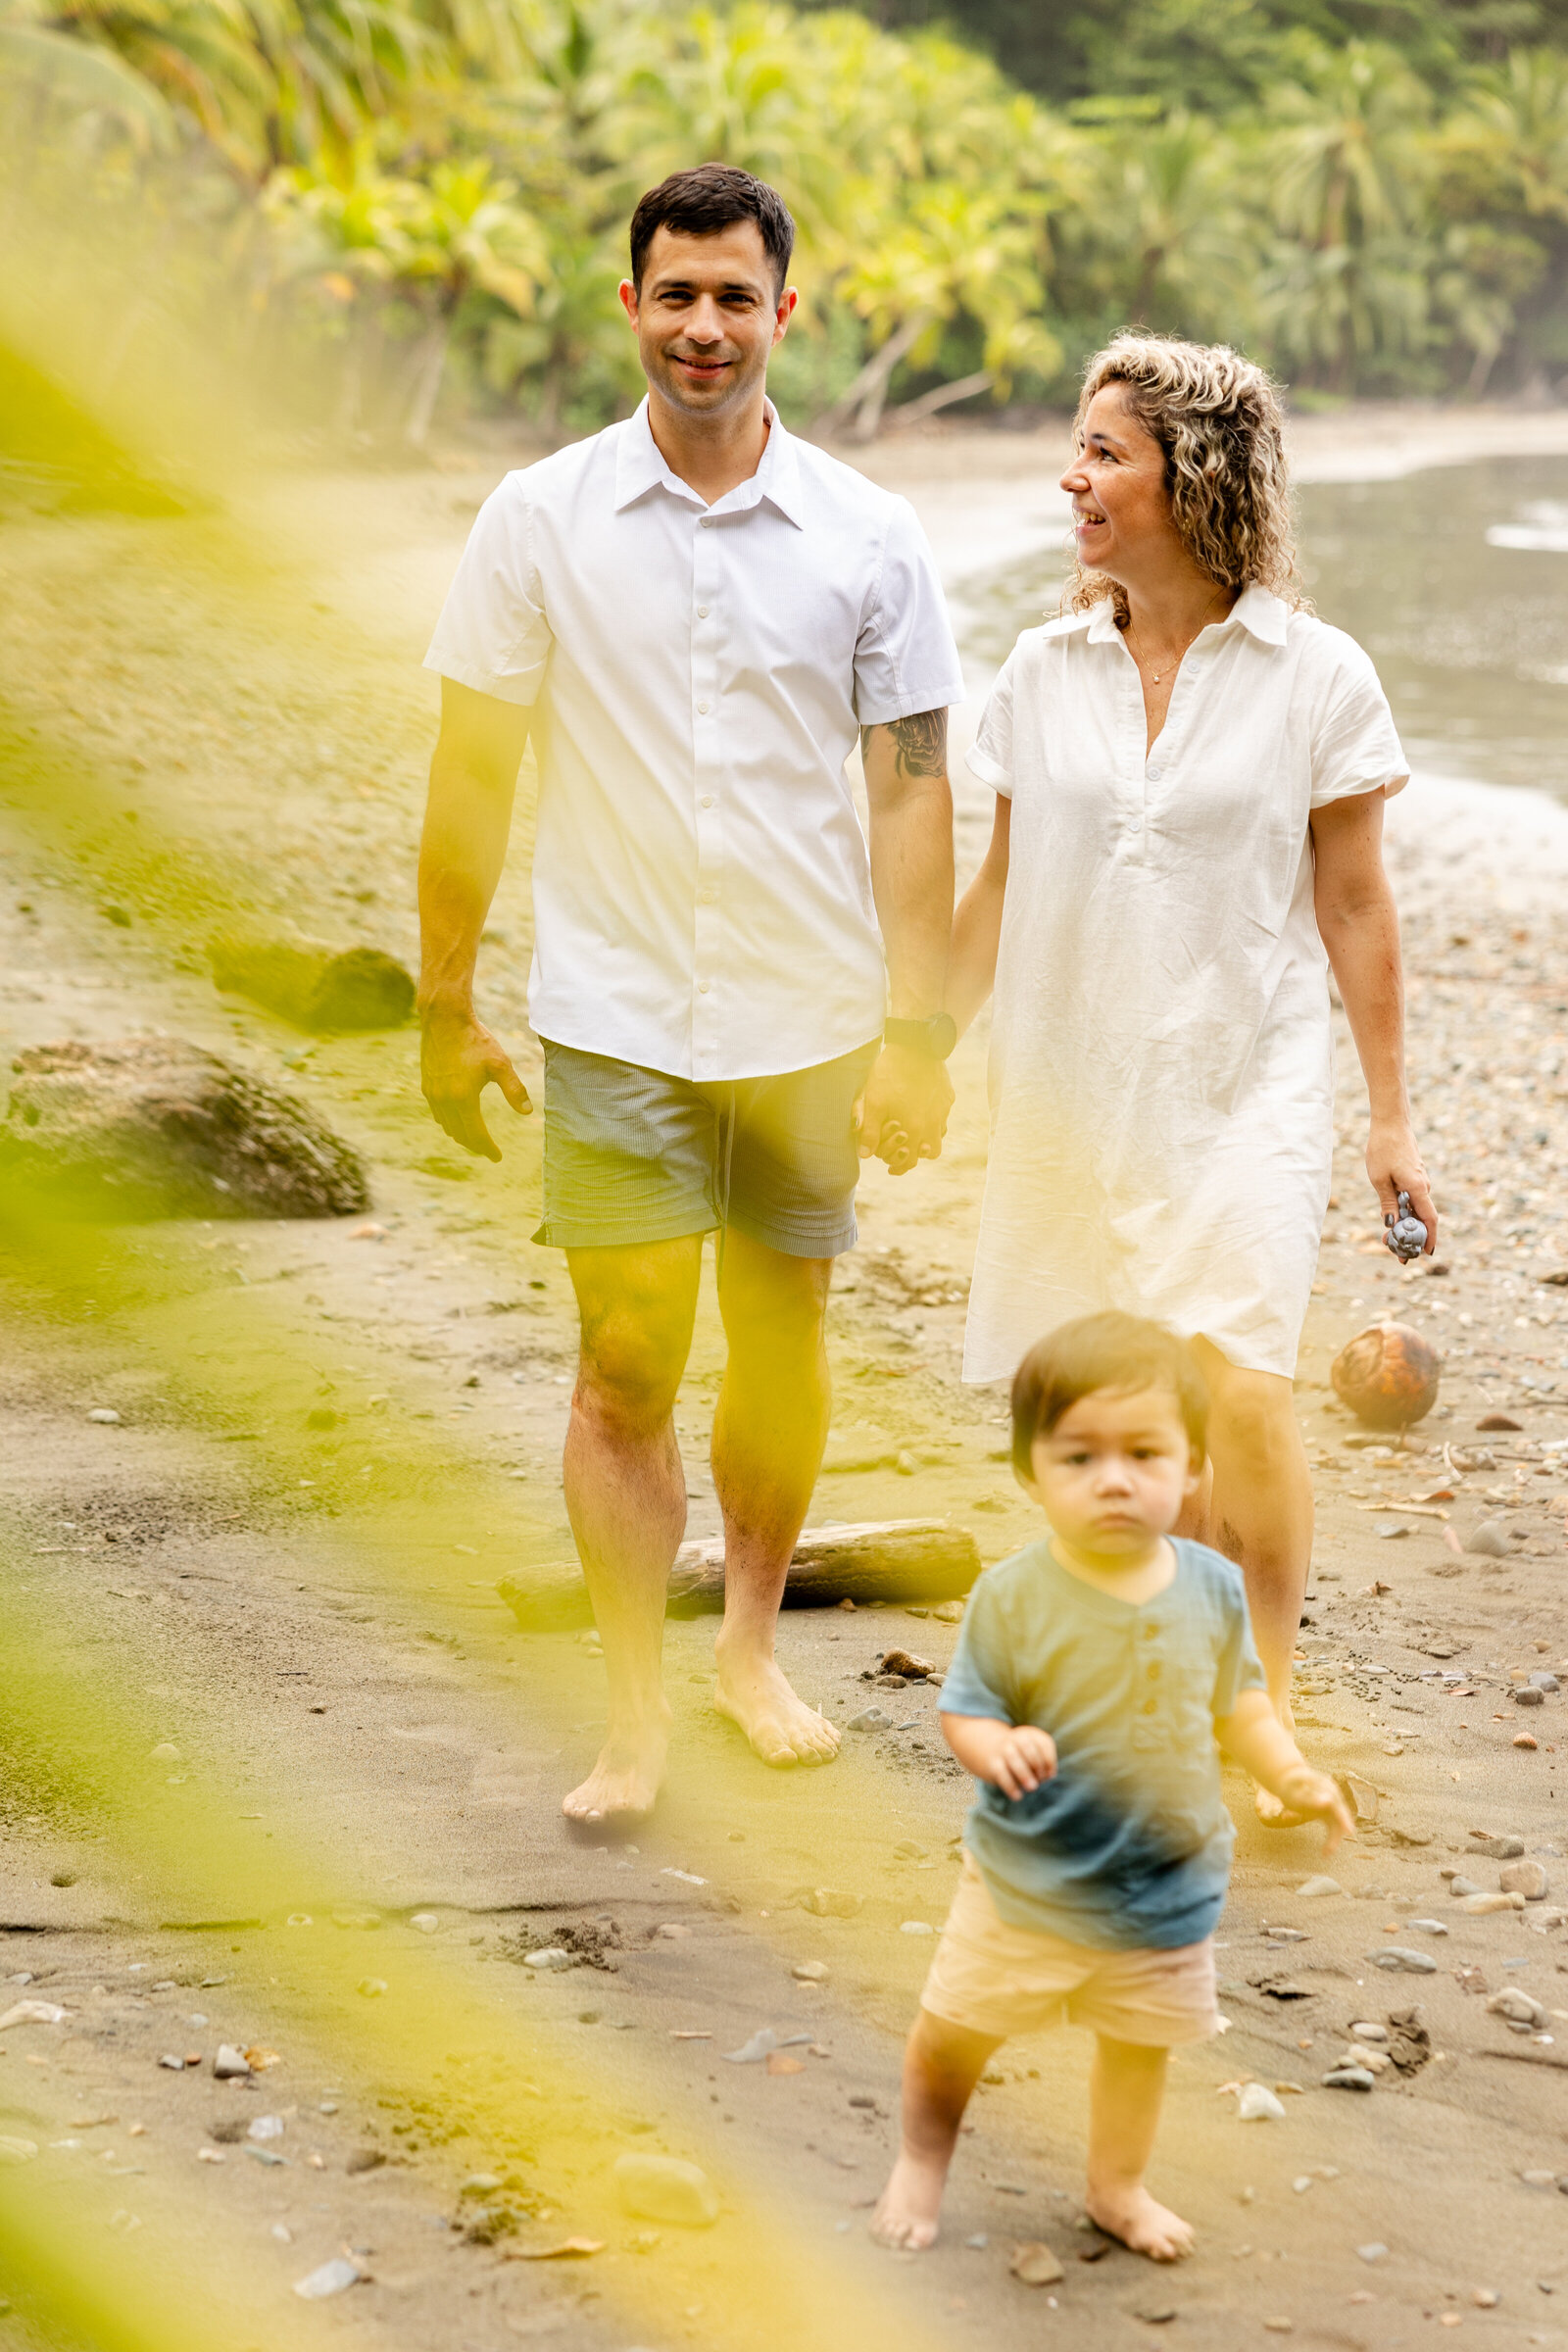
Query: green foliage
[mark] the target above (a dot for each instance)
(432, 196)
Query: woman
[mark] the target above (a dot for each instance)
(1190, 772)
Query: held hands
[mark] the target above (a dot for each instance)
(1395, 1165)
(459, 1059)
(901, 1115)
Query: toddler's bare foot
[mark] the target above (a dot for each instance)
(781, 1728)
(1141, 2223)
(906, 2216)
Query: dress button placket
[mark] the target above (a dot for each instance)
(706, 722)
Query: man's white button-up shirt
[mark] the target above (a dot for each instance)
(696, 675)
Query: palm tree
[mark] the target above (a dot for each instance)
(1348, 172)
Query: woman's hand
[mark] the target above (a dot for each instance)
(1395, 1165)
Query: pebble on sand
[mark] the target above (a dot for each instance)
(1479, 1907)
(1256, 2104)
(809, 1972)
(665, 2189)
(1347, 2077)
(549, 1958)
(1524, 1739)
(1034, 2264)
(1490, 1541)
(230, 2065)
(331, 2279)
(105, 1416)
(1311, 1888)
(1401, 1955)
(1375, 2251)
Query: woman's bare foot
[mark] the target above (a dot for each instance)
(907, 2212)
(624, 1783)
(1141, 2223)
(781, 1728)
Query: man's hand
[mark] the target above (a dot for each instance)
(902, 1114)
(459, 1059)
(1395, 1165)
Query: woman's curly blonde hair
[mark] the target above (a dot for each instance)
(1219, 419)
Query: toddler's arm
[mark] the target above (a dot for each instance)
(1016, 1757)
(1258, 1740)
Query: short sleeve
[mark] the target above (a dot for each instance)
(1239, 1667)
(905, 657)
(1356, 746)
(493, 634)
(975, 1682)
(989, 755)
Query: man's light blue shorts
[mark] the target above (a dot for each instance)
(633, 1156)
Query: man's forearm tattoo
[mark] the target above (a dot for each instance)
(920, 743)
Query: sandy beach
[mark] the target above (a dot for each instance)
(335, 1439)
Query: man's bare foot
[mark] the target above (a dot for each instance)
(1141, 2223)
(906, 2216)
(625, 1781)
(781, 1728)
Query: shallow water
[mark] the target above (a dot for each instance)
(1457, 581)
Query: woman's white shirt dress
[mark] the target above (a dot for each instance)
(1162, 1058)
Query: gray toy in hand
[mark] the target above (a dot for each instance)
(1405, 1235)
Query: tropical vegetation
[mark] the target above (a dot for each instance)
(422, 203)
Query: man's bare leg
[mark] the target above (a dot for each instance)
(626, 1495)
(1260, 1515)
(768, 1434)
(1126, 2090)
(941, 2064)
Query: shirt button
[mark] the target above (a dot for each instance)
(702, 987)
(1154, 774)
(1149, 1632)
(703, 708)
(707, 800)
(702, 611)
(1135, 824)
(708, 897)
(1151, 1706)
(708, 522)
(1153, 1670)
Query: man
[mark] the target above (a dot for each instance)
(691, 612)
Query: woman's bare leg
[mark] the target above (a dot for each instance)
(1126, 2091)
(1260, 1511)
(941, 2064)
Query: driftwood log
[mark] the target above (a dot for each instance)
(315, 987)
(154, 1127)
(887, 1560)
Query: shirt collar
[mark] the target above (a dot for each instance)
(1258, 609)
(639, 466)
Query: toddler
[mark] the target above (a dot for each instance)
(1094, 1673)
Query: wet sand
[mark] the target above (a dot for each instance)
(345, 1688)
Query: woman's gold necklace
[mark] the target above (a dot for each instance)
(1171, 661)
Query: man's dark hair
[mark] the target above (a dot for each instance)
(702, 202)
(1115, 1351)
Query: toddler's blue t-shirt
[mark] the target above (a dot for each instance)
(1129, 1845)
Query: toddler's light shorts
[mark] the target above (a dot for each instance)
(998, 1979)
